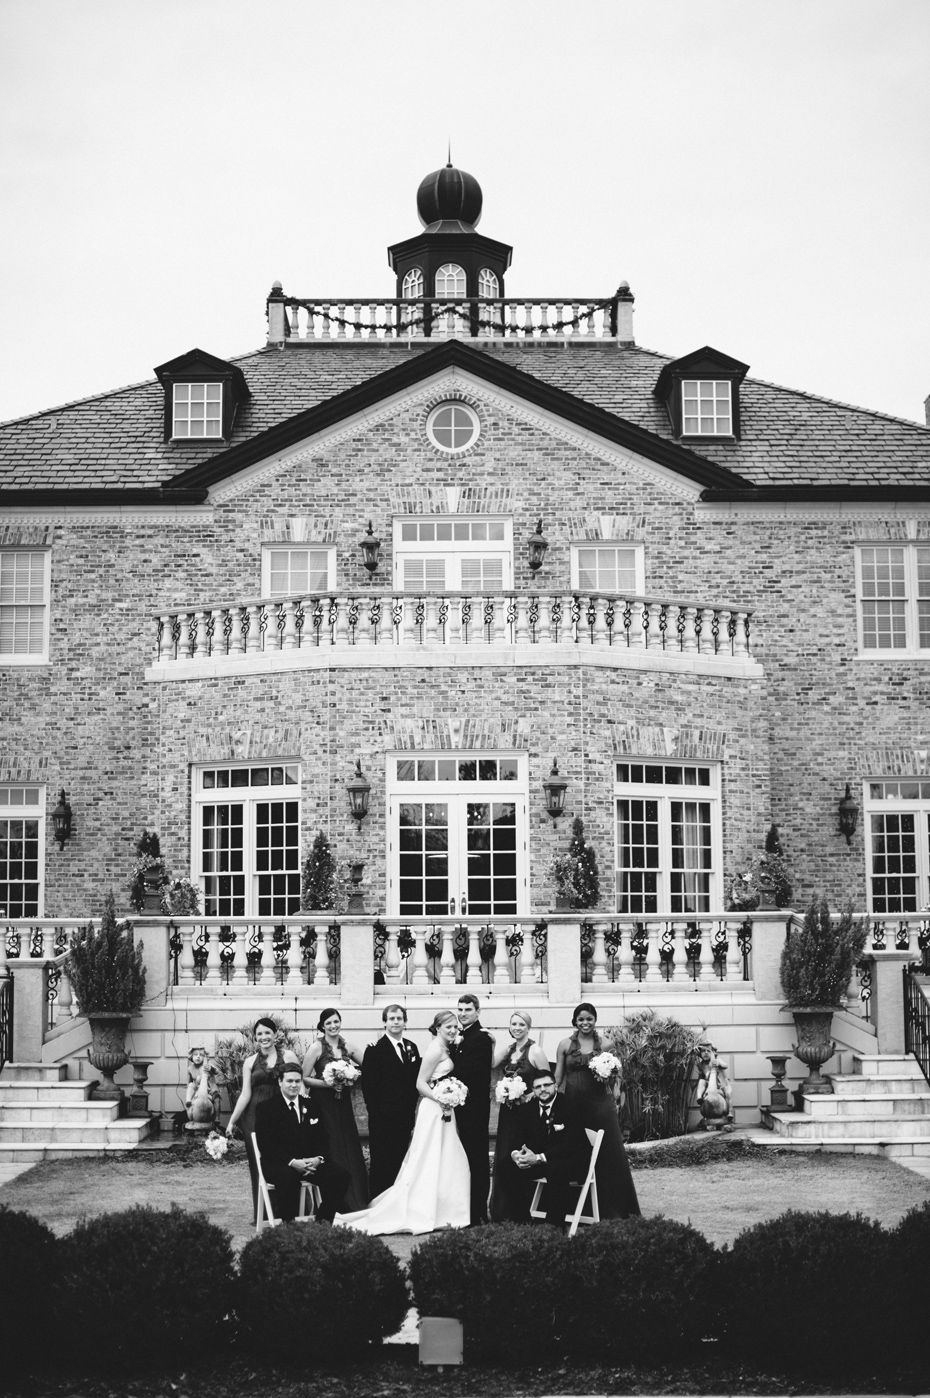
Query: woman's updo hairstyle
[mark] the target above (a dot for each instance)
(265, 1023)
(584, 1008)
(440, 1019)
(327, 1014)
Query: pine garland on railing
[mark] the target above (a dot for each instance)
(434, 309)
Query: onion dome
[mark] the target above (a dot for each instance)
(449, 196)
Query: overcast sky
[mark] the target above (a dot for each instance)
(758, 172)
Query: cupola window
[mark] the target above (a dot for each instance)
(413, 284)
(487, 283)
(198, 410)
(452, 427)
(450, 280)
(706, 408)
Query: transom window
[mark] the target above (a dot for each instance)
(198, 410)
(487, 283)
(667, 838)
(24, 600)
(290, 572)
(706, 407)
(898, 815)
(894, 598)
(453, 554)
(22, 850)
(608, 568)
(462, 769)
(247, 840)
(450, 280)
(452, 427)
(412, 285)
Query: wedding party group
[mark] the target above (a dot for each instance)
(429, 1123)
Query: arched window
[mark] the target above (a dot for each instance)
(413, 284)
(450, 280)
(487, 283)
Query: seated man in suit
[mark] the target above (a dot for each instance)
(293, 1147)
(554, 1148)
(389, 1086)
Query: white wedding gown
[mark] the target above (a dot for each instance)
(433, 1186)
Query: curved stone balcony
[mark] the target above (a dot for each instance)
(386, 629)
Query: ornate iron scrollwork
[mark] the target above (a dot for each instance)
(35, 942)
(878, 937)
(666, 949)
(693, 948)
(14, 942)
(587, 941)
(902, 938)
(720, 942)
(60, 945)
(51, 984)
(540, 935)
(556, 615)
(744, 942)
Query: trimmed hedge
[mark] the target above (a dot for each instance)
(142, 1286)
(909, 1280)
(338, 1289)
(29, 1267)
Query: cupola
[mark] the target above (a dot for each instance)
(449, 260)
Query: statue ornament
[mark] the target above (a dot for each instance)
(202, 1102)
(713, 1090)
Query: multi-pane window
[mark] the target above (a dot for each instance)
(22, 853)
(608, 568)
(290, 572)
(706, 410)
(452, 426)
(412, 285)
(894, 597)
(198, 410)
(247, 840)
(668, 838)
(898, 814)
(487, 282)
(23, 606)
(450, 280)
(453, 554)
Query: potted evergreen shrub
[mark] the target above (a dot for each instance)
(817, 962)
(318, 883)
(108, 978)
(576, 876)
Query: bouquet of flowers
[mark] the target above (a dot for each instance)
(450, 1093)
(216, 1145)
(509, 1091)
(342, 1072)
(605, 1067)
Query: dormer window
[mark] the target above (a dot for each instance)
(487, 283)
(705, 407)
(450, 280)
(198, 410)
(413, 284)
(701, 394)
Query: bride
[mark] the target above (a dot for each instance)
(433, 1187)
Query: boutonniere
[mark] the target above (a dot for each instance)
(315, 1121)
(558, 1126)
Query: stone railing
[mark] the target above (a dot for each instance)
(348, 319)
(407, 622)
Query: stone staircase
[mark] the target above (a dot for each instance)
(44, 1115)
(882, 1108)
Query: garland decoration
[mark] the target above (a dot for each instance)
(433, 309)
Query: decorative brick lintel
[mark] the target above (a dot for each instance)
(451, 733)
(25, 535)
(898, 762)
(639, 740)
(14, 768)
(245, 744)
(298, 529)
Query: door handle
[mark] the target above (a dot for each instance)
(452, 907)
(464, 906)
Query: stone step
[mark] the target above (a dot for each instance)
(905, 1147)
(49, 1112)
(895, 1065)
(801, 1126)
(129, 1131)
(857, 1084)
(34, 1072)
(71, 1091)
(868, 1104)
(19, 1154)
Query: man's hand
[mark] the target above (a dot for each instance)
(524, 1159)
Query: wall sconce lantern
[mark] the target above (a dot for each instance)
(61, 819)
(359, 790)
(536, 548)
(849, 815)
(554, 786)
(370, 545)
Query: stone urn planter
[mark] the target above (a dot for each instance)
(814, 1046)
(107, 1052)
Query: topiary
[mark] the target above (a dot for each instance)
(642, 1289)
(806, 1274)
(144, 1286)
(105, 966)
(318, 879)
(908, 1251)
(586, 878)
(343, 1289)
(29, 1268)
(818, 959)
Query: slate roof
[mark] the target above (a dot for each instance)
(790, 439)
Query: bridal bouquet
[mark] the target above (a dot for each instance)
(341, 1073)
(450, 1093)
(216, 1145)
(605, 1067)
(509, 1091)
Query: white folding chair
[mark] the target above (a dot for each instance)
(264, 1213)
(586, 1186)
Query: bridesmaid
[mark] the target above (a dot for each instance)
(336, 1112)
(261, 1072)
(594, 1106)
(520, 1059)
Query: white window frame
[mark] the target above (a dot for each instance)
(452, 550)
(27, 601)
(909, 601)
(488, 283)
(665, 794)
(639, 566)
(413, 284)
(451, 271)
(250, 797)
(721, 391)
(326, 551)
(464, 411)
(457, 793)
(15, 805)
(896, 803)
(181, 419)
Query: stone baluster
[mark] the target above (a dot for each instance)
(454, 621)
(741, 638)
(473, 961)
(432, 620)
(512, 326)
(321, 966)
(341, 632)
(409, 623)
(522, 628)
(289, 633)
(447, 957)
(601, 631)
(48, 943)
(680, 952)
(372, 321)
(65, 997)
(391, 958)
(734, 962)
(326, 328)
(214, 964)
(185, 640)
(420, 959)
(240, 963)
(186, 957)
(294, 956)
(544, 623)
(201, 642)
(166, 639)
(689, 639)
(654, 637)
(501, 969)
(236, 643)
(599, 974)
(340, 321)
(543, 318)
(653, 959)
(706, 638)
(254, 639)
(357, 316)
(576, 319)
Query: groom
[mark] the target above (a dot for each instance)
(472, 1059)
(389, 1086)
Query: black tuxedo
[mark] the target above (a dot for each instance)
(562, 1140)
(472, 1066)
(280, 1140)
(389, 1087)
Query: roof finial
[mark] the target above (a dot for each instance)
(449, 160)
